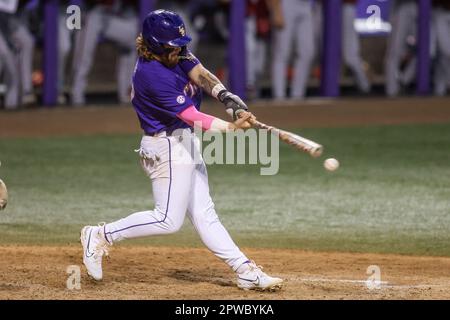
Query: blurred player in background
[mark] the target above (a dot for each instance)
(295, 30)
(117, 21)
(441, 30)
(7, 66)
(257, 35)
(65, 42)
(351, 45)
(18, 42)
(404, 24)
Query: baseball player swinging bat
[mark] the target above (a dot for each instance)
(303, 144)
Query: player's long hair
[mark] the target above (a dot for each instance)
(142, 49)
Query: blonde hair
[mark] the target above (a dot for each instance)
(142, 49)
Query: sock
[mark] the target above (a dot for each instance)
(103, 233)
(243, 267)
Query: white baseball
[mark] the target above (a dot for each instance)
(331, 164)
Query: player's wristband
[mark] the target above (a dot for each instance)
(217, 89)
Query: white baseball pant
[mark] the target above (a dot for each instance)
(441, 22)
(255, 53)
(297, 32)
(403, 23)
(180, 184)
(123, 31)
(9, 74)
(351, 47)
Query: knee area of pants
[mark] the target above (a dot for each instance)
(173, 228)
(310, 57)
(26, 40)
(307, 56)
(207, 217)
(64, 49)
(350, 61)
(281, 56)
(173, 225)
(445, 51)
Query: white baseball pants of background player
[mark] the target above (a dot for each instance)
(441, 21)
(64, 46)
(297, 32)
(23, 50)
(255, 54)
(180, 184)
(439, 52)
(10, 76)
(404, 17)
(121, 30)
(351, 47)
(25, 43)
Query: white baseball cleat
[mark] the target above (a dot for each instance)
(255, 279)
(94, 247)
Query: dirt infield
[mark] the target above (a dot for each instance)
(138, 272)
(186, 273)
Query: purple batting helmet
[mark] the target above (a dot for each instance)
(164, 27)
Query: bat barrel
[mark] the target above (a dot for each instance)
(316, 152)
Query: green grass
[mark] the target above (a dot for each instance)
(391, 193)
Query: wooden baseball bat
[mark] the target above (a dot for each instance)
(301, 143)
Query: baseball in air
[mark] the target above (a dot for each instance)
(331, 164)
(3, 195)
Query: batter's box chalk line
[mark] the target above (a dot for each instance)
(366, 283)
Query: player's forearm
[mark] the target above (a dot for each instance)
(207, 81)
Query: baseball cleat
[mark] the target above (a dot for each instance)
(255, 279)
(94, 247)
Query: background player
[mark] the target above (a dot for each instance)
(257, 36)
(16, 50)
(296, 30)
(166, 95)
(7, 66)
(116, 21)
(351, 45)
(403, 20)
(441, 28)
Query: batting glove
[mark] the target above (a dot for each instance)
(233, 104)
